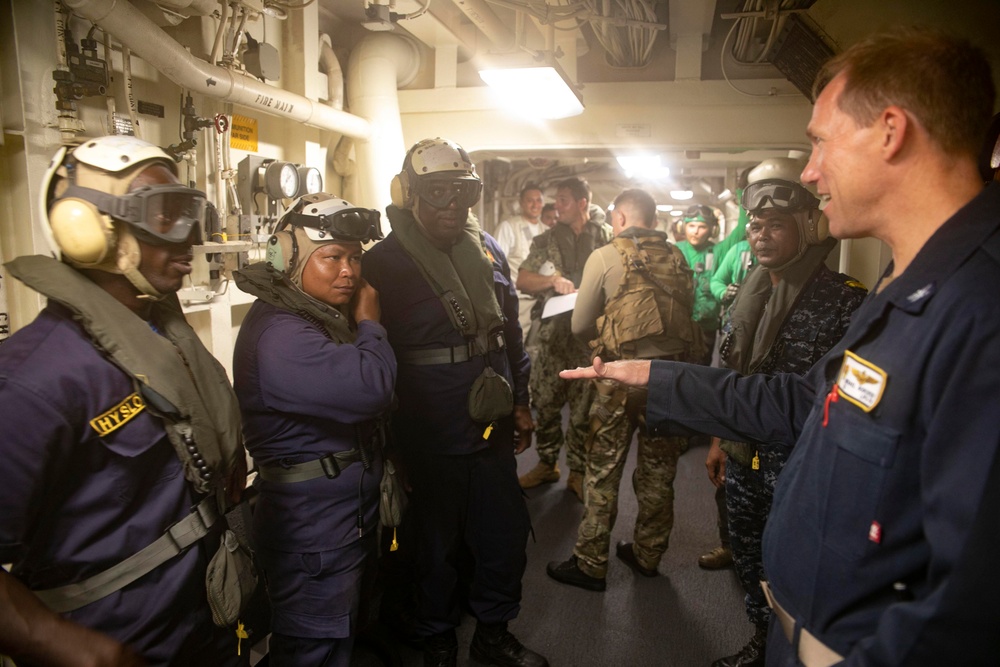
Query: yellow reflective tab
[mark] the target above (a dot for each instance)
(486, 433)
(241, 634)
(755, 463)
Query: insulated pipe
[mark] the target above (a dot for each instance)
(150, 43)
(378, 65)
(334, 75)
(487, 21)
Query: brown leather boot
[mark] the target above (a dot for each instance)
(716, 559)
(575, 483)
(543, 473)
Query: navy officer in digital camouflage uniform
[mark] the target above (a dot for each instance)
(880, 548)
(117, 423)
(789, 311)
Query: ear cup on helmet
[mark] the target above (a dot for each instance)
(399, 190)
(82, 232)
(282, 251)
(817, 227)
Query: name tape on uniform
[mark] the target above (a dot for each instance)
(861, 382)
(118, 416)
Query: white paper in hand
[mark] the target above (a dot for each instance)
(562, 303)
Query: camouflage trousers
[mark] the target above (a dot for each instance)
(616, 414)
(549, 393)
(748, 500)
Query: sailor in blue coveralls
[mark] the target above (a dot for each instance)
(451, 314)
(89, 475)
(314, 374)
(880, 548)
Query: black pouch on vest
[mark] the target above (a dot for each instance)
(490, 397)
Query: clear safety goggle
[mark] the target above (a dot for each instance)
(777, 194)
(439, 193)
(164, 212)
(359, 225)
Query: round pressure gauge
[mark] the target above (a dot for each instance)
(310, 180)
(281, 180)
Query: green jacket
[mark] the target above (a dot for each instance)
(704, 263)
(732, 269)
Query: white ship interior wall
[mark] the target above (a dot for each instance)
(345, 86)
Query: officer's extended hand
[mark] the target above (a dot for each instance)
(365, 303)
(634, 373)
(716, 464)
(524, 426)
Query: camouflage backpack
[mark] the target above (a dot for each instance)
(655, 298)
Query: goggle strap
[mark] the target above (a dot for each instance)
(127, 207)
(327, 223)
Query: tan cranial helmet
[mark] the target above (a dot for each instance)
(774, 184)
(313, 221)
(92, 220)
(439, 172)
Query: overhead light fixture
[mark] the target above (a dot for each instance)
(664, 208)
(538, 88)
(643, 166)
(681, 195)
(677, 214)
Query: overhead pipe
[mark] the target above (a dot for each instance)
(488, 22)
(380, 64)
(330, 66)
(149, 42)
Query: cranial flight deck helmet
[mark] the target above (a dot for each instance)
(91, 219)
(439, 172)
(774, 183)
(313, 221)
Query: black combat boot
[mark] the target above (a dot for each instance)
(751, 655)
(493, 644)
(441, 650)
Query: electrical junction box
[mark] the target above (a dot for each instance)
(262, 60)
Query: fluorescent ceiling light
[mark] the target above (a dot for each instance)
(643, 166)
(542, 90)
(677, 214)
(663, 208)
(681, 195)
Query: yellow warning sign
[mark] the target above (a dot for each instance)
(244, 135)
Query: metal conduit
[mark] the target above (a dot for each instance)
(167, 56)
